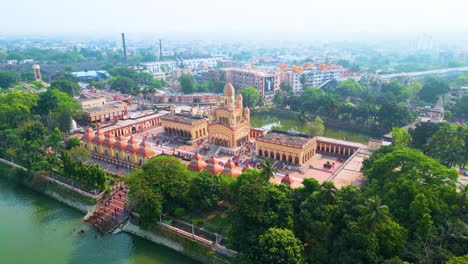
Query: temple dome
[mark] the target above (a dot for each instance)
(231, 169)
(99, 137)
(145, 149)
(197, 163)
(229, 89)
(109, 140)
(132, 145)
(121, 143)
(287, 180)
(88, 136)
(213, 166)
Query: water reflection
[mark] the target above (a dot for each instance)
(37, 229)
(290, 121)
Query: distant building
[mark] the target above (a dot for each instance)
(159, 76)
(195, 98)
(104, 113)
(86, 76)
(90, 102)
(309, 75)
(265, 81)
(201, 64)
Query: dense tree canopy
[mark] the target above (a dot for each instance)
(432, 89)
(278, 246)
(66, 85)
(163, 183)
(250, 96)
(187, 83)
(123, 84)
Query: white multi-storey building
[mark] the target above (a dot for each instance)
(313, 77)
(197, 65)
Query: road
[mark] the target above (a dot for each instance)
(422, 73)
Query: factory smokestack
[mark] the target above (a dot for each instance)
(160, 50)
(124, 47)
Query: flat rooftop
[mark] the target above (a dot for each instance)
(340, 142)
(131, 121)
(107, 106)
(286, 138)
(181, 118)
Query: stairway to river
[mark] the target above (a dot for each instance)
(112, 211)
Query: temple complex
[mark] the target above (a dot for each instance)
(222, 141)
(120, 152)
(189, 127)
(229, 122)
(290, 147)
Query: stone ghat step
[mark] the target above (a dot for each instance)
(111, 213)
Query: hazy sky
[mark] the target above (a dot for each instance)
(234, 16)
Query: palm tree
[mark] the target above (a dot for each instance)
(328, 192)
(374, 213)
(463, 190)
(268, 169)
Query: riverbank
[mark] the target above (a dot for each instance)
(185, 246)
(54, 191)
(40, 230)
(181, 244)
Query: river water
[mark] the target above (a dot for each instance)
(288, 121)
(36, 229)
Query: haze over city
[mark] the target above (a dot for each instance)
(244, 18)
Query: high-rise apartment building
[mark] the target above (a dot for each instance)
(265, 81)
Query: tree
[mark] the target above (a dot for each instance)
(401, 137)
(155, 83)
(286, 87)
(448, 145)
(268, 169)
(432, 89)
(421, 133)
(460, 109)
(250, 97)
(164, 179)
(16, 107)
(374, 214)
(272, 208)
(7, 79)
(278, 245)
(317, 127)
(394, 115)
(458, 260)
(277, 99)
(206, 190)
(123, 84)
(55, 139)
(328, 192)
(79, 153)
(67, 108)
(66, 85)
(187, 83)
(47, 103)
(73, 142)
(350, 87)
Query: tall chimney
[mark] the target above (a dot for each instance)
(124, 47)
(160, 50)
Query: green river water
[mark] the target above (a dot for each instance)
(287, 121)
(35, 229)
